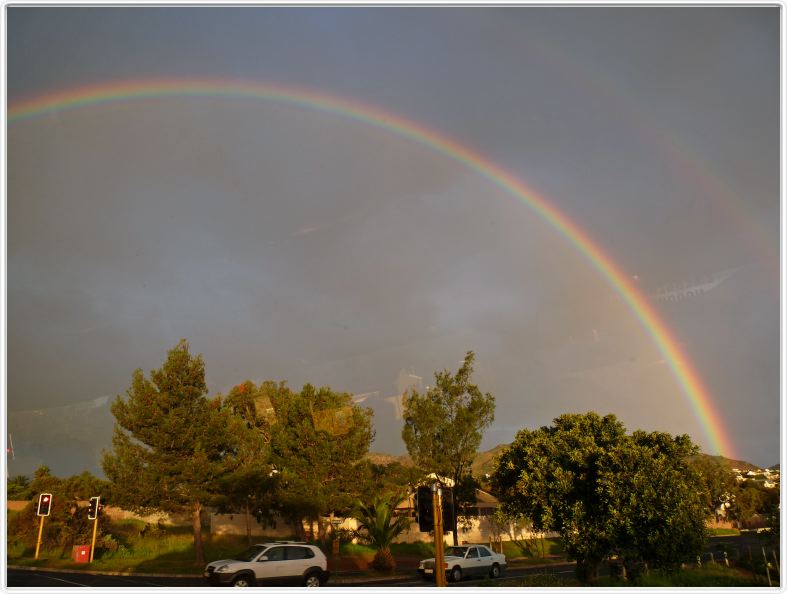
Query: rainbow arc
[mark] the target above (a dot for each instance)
(684, 372)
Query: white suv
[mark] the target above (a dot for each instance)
(271, 563)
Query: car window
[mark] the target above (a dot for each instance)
(275, 554)
(456, 551)
(484, 552)
(299, 553)
(472, 553)
(250, 553)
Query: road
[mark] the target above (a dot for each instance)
(52, 579)
(70, 579)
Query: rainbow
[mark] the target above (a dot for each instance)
(680, 366)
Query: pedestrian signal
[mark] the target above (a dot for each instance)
(92, 508)
(44, 504)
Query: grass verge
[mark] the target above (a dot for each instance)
(707, 576)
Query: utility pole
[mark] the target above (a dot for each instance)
(439, 558)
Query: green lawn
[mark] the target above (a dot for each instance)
(128, 549)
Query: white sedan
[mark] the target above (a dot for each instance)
(466, 560)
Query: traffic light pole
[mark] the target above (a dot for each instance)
(93, 544)
(40, 531)
(93, 510)
(439, 558)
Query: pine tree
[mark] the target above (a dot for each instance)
(171, 444)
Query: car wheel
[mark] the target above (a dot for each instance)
(456, 574)
(494, 573)
(242, 581)
(312, 580)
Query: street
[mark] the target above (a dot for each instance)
(51, 579)
(738, 546)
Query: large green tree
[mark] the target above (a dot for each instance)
(605, 491)
(250, 487)
(657, 499)
(443, 427)
(171, 444)
(318, 438)
(719, 485)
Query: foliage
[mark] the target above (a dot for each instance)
(752, 500)
(604, 491)
(379, 526)
(444, 426)
(67, 523)
(250, 487)
(18, 488)
(658, 506)
(718, 482)
(84, 486)
(171, 445)
(318, 438)
(394, 477)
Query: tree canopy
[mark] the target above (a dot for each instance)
(443, 427)
(605, 491)
(317, 439)
(171, 444)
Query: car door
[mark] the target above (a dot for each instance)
(270, 565)
(486, 559)
(472, 562)
(298, 560)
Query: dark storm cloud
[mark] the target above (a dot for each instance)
(290, 244)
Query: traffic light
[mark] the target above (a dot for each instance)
(92, 508)
(44, 504)
(425, 509)
(448, 509)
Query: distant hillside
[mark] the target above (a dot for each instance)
(386, 459)
(730, 463)
(485, 461)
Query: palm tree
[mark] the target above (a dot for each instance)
(378, 526)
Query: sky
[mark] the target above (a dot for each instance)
(293, 243)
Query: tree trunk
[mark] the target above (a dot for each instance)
(587, 570)
(248, 526)
(196, 523)
(297, 525)
(322, 530)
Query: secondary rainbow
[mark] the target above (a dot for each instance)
(684, 372)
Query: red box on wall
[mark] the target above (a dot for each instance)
(81, 553)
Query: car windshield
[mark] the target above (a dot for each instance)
(250, 553)
(456, 551)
